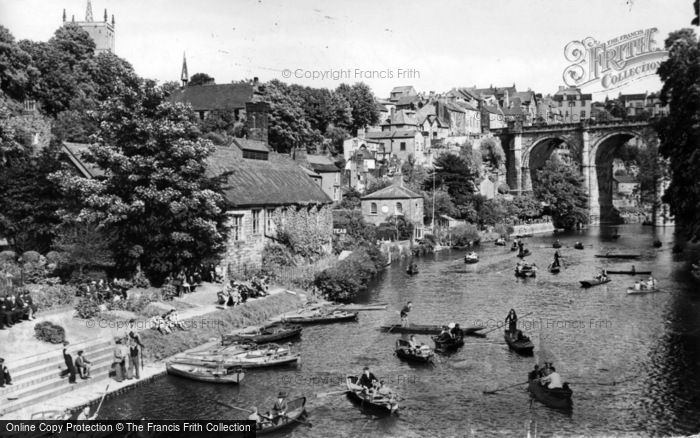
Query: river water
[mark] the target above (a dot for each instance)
(648, 346)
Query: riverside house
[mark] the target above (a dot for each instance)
(395, 200)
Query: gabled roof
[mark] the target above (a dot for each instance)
(403, 89)
(74, 153)
(403, 117)
(399, 133)
(215, 96)
(251, 145)
(407, 100)
(321, 163)
(492, 109)
(524, 96)
(277, 181)
(394, 191)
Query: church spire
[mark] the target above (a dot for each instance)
(105, 15)
(184, 76)
(88, 11)
(64, 15)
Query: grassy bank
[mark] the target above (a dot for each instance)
(212, 325)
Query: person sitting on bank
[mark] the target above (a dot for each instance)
(280, 408)
(404, 314)
(553, 379)
(5, 377)
(85, 414)
(366, 379)
(83, 365)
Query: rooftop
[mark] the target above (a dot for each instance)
(214, 96)
(394, 191)
(74, 152)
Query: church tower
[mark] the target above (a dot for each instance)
(102, 32)
(184, 77)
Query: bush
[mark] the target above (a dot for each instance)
(8, 256)
(49, 332)
(140, 280)
(51, 296)
(277, 255)
(137, 301)
(465, 235)
(344, 281)
(503, 230)
(31, 257)
(34, 272)
(87, 308)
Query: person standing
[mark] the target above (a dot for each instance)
(85, 414)
(118, 362)
(404, 314)
(134, 362)
(68, 359)
(512, 321)
(5, 378)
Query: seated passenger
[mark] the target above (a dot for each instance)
(553, 379)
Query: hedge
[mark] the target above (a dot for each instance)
(49, 332)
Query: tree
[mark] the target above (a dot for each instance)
(200, 79)
(492, 152)
(525, 207)
(679, 132)
(16, 69)
(156, 198)
(351, 199)
(443, 204)
(455, 173)
(561, 186)
(361, 100)
(337, 136)
(615, 108)
(395, 228)
(84, 245)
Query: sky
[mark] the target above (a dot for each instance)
(434, 46)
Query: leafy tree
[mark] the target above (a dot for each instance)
(375, 184)
(363, 103)
(492, 152)
(16, 69)
(358, 233)
(200, 79)
(561, 186)
(525, 207)
(395, 228)
(351, 199)
(679, 132)
(337, 136)
(456, 173)
(443, 204)
(84, 245)
(615, 108)
(323, 107)
(169, 87)
(156, 199)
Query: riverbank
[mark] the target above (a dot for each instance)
(205, 324)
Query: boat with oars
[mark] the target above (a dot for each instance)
(524, 253)
(525, 270)
(470, 258)
(445, 342)
(643, 291)
(578, 245)
(424, 329)
(378, 404)
(422, 354)
(205, 374)
(594, 282)
(296, 410)
(554, 269)
(519, 343)
(559, 398)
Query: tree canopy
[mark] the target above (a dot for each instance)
(561, 186)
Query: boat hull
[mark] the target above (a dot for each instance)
(406, 353)
(447, 344)
(632, 291)
(524, 347)
(427, 329)
(618, 256)
(261, 338)
(296, 409)
(203, 374)
(552, 398)
(321, 319)
(594, 282)
(470, 261)
(368, 403)
(630, 272)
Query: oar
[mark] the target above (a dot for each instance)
(97, 411)
(496, 328)
(505, 387)
(306, 423)
(326, 394)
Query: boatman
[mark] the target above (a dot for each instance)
(404, 314)
(556, 259)
(366, 379)
(553, 379)
(512, 321)
(279, 410)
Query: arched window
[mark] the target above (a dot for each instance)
(373, 208)
(399, 207)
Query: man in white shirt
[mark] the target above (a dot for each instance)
(553, 378)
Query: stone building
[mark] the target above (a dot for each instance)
(323, 171)
(395, 200)
(101, 32)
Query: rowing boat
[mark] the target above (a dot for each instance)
(594, 282)
(295, 410)
(526, 271)
(500, 242)
(337, 316)
(444, 342)
(471, 258)
(205, 374)
(379, 404)
(404, 351)
(554, 269)
(524, 253)
(559, 398)
(618, 256)
(523, 346)
(630, 272)
(268, 334)
(420, 329)
(633, 291)
(578, 245)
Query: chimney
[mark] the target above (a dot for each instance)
(257, 120)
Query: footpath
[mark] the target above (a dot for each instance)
(38, 370)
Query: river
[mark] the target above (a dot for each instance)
(647, 345)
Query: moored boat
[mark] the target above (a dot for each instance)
(379, 404)
(525, 271)
(336, 316)
(521, 345)
(472, 257)
(420, 329)
(594, 282)
(632, 272)
(205, 374)
(406, 352)
(559, 398)
(608, 255)
(296, 409)
(268, 334)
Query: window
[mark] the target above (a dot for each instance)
(403, 146)
(268, 220)
(583, 114)
(237, 228)
(399, 207)
(335, 193)
(373, 208)
(256, 221)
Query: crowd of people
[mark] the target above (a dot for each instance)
(102, 291)
(166, 322)
(187, 280)
(237, 292)
(15, 308)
